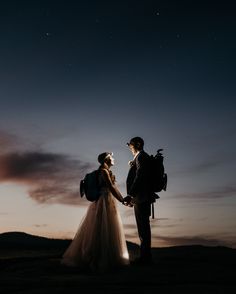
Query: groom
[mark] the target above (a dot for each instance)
(139, 195)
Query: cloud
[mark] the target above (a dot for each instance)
(166, 223)
(7, 141)
(129, 212)
(130, 227)
(41, 226)
(218, 239)
(198, 168)
(51, 177)
(217, 193)
(156, 223)
(205, 165)
(204, 240)
(196, 240)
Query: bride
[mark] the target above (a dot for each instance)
(99, 244)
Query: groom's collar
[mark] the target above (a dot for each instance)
(136, 154)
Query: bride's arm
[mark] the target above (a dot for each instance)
(112, 187)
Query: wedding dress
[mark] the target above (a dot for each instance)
(99, 244)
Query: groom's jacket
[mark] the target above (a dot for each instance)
(138, 180)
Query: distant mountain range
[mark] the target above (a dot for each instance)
(21, 240)
(32, 263)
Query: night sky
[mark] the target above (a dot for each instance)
(78, 78)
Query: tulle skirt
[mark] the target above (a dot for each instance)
(99, 244)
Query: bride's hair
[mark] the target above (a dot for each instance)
(113, 178)
(103, 156)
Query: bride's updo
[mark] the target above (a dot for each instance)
(102, 158)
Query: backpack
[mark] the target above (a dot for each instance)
(89, 186)
(158, 175)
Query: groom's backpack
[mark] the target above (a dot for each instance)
(89, 186)
(158, 175)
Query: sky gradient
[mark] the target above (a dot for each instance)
(78, 78)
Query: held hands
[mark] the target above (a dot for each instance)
(127, 201)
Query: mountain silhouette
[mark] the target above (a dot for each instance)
(31, 264)
(21, 240)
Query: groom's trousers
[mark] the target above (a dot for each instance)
(142, 214)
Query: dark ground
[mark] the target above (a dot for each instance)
(186, 269)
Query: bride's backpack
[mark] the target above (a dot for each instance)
(89, 186)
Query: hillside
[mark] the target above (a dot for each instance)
(184, 269)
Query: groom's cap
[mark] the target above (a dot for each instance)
(103, 156)
(136, 141)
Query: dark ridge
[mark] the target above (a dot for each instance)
(24, 241)
(21, 240)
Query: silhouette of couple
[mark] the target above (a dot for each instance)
(99, 244)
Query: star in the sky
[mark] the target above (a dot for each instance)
(46, 36)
